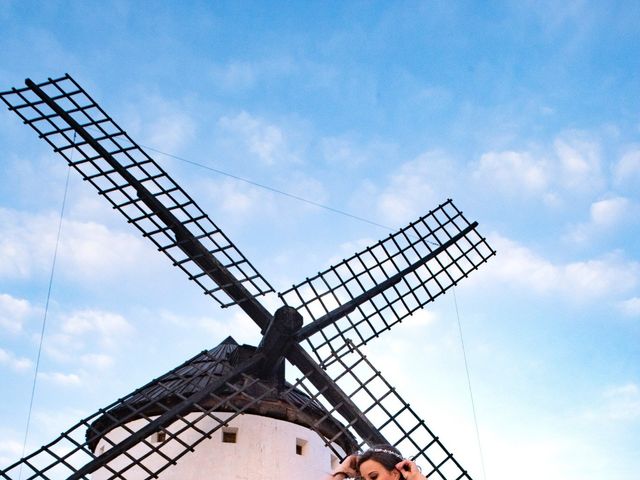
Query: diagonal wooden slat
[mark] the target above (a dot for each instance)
(186, 398)
(71, 122)
(370, 292)
(395, 420)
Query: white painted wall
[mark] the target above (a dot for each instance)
(265, 449)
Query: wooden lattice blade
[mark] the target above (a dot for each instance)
(119, 440)
(385, 409)
(77, 128)
(437, 251)
(344, 406)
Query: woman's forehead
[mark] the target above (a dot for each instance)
(370, 465)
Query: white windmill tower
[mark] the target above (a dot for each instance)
(274, 437)
(229, 412)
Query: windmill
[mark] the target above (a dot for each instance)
(189, 422)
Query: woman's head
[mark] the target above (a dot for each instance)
(379, 463)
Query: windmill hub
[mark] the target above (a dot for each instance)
(288, 318)
(277, 340)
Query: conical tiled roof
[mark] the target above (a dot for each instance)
(201, 372)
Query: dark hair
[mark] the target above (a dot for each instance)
(386, 455)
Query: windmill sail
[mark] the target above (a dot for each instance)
(418, 263)
(77, 128)
(395, 420)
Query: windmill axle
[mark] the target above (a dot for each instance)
(277, 340)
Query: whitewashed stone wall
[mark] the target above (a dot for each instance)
(265, 449)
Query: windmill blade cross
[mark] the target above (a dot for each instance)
(347, 401)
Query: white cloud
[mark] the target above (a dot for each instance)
(99, 361)
(572, 165)
(91, 250)
(266, 141)
(620, 403)
(15, 363)
(87, 250)
(550, 455)
(107, 326)
(414, 188)
(235, 75)
(513, 172)
(346, 152)
(238, 199)
(604, 216)
(630, 307)
(346, 249)
(623, 402)
(609, 212)
(159, 123)
(239, 326)
(83, 328)
(516, 265)
(579, 161)
(22, 243)
(245, 202)
(13, 312)
(341, 151)
(420, 319)
(170, 131)
(51, 422)
(10, 450)
(242, 75)
(627, 170)
(59, 378)
(234, 323)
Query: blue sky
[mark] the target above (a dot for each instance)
(527, 114)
